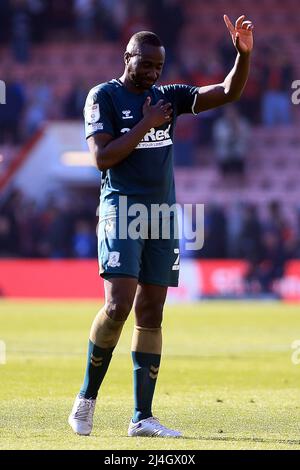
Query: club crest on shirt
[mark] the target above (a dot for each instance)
(113, 260)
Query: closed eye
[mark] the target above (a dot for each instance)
(149, 65)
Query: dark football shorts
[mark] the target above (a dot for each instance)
(146, 251)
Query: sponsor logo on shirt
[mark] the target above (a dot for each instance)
(127, 114)
(97, 126)
(154, 138)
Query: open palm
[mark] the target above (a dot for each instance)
(241, 33)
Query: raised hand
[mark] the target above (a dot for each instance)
(241, 34)
(158, 114)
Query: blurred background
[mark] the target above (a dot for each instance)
(242, 161)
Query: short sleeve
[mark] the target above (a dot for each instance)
(98, 113)
(183, 96)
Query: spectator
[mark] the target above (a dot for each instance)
(40, 98)
(84, 17)
(61, 16)
(117, 10)
(21, 30)
(271, 267)
(277, 78)
(184, 142)
(292, 245)
(74, 103)
(250, 247)
(227, 54)
(215, 232)
(5, 16)
(208, 72)
(38, 13)
(59, 232)
(234, 216)
(138, 20)
(84, 240)
(10, 216)
(107, 22)
(11, 113)
(167, 24)
(7, 247)
(230, 135)
(250, 102)
(276, 221)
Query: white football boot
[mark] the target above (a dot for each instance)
(151, 427)
(81, 417)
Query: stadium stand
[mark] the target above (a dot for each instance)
(64, 60)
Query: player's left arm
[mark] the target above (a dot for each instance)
(231, 89)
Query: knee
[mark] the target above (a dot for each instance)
(118, 309)
(149, 314)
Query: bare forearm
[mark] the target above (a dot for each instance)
(236, 80)
(118, 149)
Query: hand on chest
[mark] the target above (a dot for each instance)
(128, 112)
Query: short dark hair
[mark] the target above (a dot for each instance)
(145, 37)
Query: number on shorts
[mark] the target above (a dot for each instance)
(175, 266)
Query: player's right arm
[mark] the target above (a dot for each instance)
(109, 151)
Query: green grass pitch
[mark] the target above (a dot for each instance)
(226, 380)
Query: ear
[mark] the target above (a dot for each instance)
(126, 58)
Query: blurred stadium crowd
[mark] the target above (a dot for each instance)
(44, 81)
(53, 52)
(66, 229)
